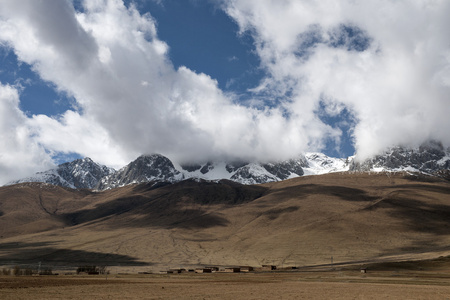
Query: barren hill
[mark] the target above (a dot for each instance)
(312, 220)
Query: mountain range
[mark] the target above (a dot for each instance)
(86, 174)
(186, 216)
(431, 158)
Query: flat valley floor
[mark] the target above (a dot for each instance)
(349, 284)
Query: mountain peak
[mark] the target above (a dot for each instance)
(82, 173)
(150, 156)
(145, 168)
(429, 157)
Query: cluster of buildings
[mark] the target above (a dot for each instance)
(221, 269)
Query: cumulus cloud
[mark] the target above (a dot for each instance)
(73, 133)
(386, 63)
(20, 153)
(119, 73)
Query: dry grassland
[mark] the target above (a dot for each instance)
(289, 285)
(350, 220)
(310, 220)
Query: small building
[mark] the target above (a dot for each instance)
(246, 269)
(363, 270)
(232, 270)
(203, 270)
(92, 273)
(269, 267)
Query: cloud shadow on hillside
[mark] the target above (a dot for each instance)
(417, 247)
(275, 213)
(403, 202)
(181, 205)
(45, 252)
(422, 187)
(144, 212)
(344, 193)
(420, 216)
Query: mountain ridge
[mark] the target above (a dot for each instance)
(430, 158)
(158, 168)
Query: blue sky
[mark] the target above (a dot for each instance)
(201, 80)
(203, 38)
(37, 96)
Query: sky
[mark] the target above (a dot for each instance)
(200, 80)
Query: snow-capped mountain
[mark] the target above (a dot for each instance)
(145, 168)
(430, 158)
(247, 173)
(252, 174)
(84, 173)
(319, 163)
(78, 174)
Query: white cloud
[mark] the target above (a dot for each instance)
(131, 94)
(20, 152)
(387, 62)
(397, 87)
(72, 132)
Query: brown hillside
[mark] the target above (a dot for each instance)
(347, 218)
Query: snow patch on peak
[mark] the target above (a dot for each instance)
(208, 171)
(430, 157)
(78, 174)
(319, 163)
(253, 174)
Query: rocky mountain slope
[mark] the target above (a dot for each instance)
(248, 173)
(78, 174)
(430, 158)
(145, 168)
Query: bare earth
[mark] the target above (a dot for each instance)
(288, 285)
